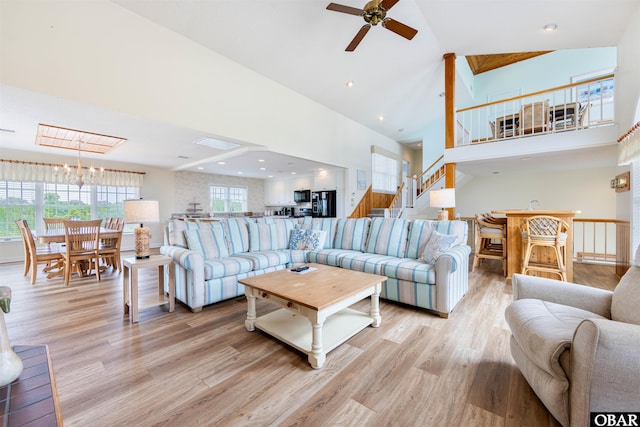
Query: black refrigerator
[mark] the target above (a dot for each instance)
(323, 204)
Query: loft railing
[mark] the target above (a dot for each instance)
(429, 176)
(569, 107)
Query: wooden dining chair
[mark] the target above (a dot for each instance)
(110, 247)
(82, 243)
(33, 254)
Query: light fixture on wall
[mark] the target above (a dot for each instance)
(621, 182)
(445, 198)
(141, 211)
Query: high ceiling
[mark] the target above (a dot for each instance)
(300, 44)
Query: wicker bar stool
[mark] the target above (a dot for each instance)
(546, 231)
(491, 241)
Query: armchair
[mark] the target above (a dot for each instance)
(578, 347)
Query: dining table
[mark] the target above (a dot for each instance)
(58, 236)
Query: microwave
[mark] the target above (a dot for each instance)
(302, 196)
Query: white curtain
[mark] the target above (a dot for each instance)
(43, 172)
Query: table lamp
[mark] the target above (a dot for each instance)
(445, 198)
(138, 212)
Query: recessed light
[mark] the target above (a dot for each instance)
(200, 168)
(261, 160)
(263, 169)
(380, 117)
(239, 173)
(550, 27)
(221, 163)
(293, 173)
(350, 83)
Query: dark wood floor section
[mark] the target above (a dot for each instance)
(205, 369)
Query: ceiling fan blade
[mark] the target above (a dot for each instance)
(345, 9)
(388, 4)
(399, 28)
(358, 38)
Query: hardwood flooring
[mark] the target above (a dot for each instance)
(205, 369)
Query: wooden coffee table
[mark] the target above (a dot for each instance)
(315, 317)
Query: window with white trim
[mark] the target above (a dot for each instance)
(384, 174)
(35, 200)
(228, 199)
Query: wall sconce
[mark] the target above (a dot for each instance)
(621, 182)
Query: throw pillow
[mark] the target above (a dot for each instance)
(437, 245)
(307, 239)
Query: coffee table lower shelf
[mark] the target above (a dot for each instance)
(296, 330)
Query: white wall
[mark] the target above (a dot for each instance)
(99, 53)
(586, 190)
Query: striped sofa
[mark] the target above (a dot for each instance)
(210, 257)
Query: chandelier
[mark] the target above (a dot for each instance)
(78, 177)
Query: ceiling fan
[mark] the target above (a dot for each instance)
(374, 12)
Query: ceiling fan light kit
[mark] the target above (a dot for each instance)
(374, 13)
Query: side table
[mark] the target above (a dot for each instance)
(131, 266)
(32, 399)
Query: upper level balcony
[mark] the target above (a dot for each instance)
(573, 116)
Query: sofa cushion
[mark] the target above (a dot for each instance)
(298, 256)
(352, 234)
(222, 267)
(263, 237)
(369, 263)
(329, 256)
(388, 237)
(544, 330)
(437, 245)
(307, 239)
(408, 269)
(237, 233)
(266, 259)
(626, 298)
(283, 231)
(175, 231)
(460, 229)
(419, 232)
(209, 241)
(325, 224)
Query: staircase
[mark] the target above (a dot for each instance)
(379, 213)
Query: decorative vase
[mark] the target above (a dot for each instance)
(10, 363)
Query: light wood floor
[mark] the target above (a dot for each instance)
(204, 369)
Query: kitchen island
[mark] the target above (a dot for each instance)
(515, 250)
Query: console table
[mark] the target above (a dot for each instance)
(32, 398)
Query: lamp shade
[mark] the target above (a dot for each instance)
(445, 198)
(138, 211)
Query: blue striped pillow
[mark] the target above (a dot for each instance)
(419, 233)
(351, 234)
(388, 237)
(208, 241)
(237, 234)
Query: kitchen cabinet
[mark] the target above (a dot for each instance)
(328, 180)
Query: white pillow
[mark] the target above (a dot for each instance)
(307, 239)
(437, 245)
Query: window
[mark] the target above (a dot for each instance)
(34, 200)
(384, 173)
(17, 201)
(228, 199)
